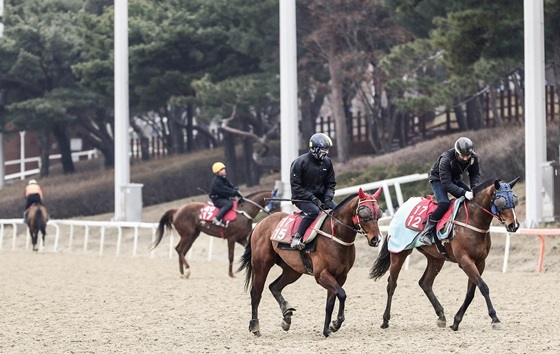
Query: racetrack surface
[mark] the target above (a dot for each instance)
(74, 303)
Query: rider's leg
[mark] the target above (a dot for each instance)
(443, 204)
(225, 205)
(311, 212)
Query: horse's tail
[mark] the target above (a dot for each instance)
(165, 222)
(382, 263)
(40, 221)
(246, 263)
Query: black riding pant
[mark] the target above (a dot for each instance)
(225, 205)
(311, 212)
(442, 198)
(32, 199)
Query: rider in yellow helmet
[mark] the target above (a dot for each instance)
(33, 195)
(222, 192)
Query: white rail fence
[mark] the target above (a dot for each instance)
(89, 154)
(135, 238)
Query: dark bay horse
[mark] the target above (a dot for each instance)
(186, 221)
(330, 262)
(37, 218)
(468, 247)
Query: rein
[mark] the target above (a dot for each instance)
(359, 231)
(255, 204)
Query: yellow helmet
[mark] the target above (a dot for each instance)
(217, 167)
(33, 181)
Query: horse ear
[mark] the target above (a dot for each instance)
(361, 194)
(497, 184)
(377, 193)
(512, 183)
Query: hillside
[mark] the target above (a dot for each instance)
(89, 192)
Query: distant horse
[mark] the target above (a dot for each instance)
(188, 223)
(37, 218)
(329, 263)
(468, 247)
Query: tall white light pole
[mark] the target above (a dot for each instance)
(122, 159)
(288, 92)
(535, 116)
(2, 156)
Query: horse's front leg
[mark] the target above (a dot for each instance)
(334, 290)
(231, 250)
(475, 280)
(341, 295)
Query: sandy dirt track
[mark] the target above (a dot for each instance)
(74, 303)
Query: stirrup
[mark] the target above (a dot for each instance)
(427, 239)
(297, 244)
(218, 223)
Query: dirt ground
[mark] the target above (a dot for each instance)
(69, 302)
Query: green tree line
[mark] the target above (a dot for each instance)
(197, 62)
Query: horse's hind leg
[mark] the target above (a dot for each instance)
(397, 261)
(182, 248)
(287, 277)
(426, 282)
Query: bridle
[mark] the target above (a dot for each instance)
(503, 198)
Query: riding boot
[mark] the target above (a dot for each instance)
(296, 242)
(218, 222)
(429, 232)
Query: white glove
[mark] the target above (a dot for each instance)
(469, 195)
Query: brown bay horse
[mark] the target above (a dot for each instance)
(468, 247)
(188, 225)
(37, 218)
(329, 263)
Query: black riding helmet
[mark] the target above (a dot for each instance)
(464, 146)
(317, 142)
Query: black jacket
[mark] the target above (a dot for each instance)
(310, 178)
(448, 169)
(222, 188)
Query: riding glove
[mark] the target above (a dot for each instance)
(469, 195)
(317, 202)
(329, 204)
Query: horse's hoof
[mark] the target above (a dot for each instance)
(441, 323)
(186, 275)
(385, 325)
(286, 323)
(257, 333)
(497, 326)
(326, 333)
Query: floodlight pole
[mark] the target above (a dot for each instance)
(289, 131)
(535, 116)
(122, 148)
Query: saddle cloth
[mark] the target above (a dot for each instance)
(209, 211)
(410, 219)
(286, 228)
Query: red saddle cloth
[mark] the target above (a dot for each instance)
(209, 211)
(288, 226)
(418, 216)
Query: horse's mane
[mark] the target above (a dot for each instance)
(345, 201)
(482, 186)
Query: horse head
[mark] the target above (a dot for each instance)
(504, 202)
(366, 216)
(496, 197)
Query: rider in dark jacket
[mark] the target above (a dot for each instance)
(222, 192)
(312, 182)
(445, 177)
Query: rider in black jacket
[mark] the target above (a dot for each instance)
(222, 192)
(445, 177)
(312, 182)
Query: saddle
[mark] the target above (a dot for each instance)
(418, 216)
(286, 228)
(209, 211)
